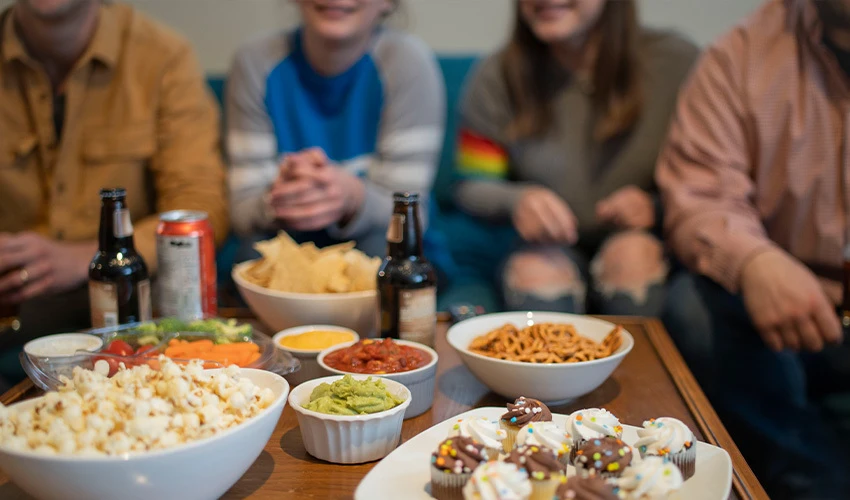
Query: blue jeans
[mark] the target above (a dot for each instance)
(771, 403)
(616, 303)
(688, 321)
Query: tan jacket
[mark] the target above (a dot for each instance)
(138, 115)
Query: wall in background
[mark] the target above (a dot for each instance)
(216, 27)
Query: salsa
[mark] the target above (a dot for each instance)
(377, 357)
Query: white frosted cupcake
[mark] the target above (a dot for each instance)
(497, 481)
(650, 479)
(670, 439)
(483, 431)
(592, 423)
(548, 435)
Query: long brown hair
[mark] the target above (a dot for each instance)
(534, 77)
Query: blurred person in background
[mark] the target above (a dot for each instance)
(326, 121)
(755, 184)
(94, 95)
(560, 132)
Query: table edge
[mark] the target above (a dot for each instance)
(744, 481)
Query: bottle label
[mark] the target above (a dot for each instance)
(103, 298)
(180, 286)
(144, 291)
(395, 233)
(122, 224)
(418, 315)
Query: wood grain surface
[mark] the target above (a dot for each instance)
(652, 381)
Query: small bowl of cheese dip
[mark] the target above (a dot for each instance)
(57, 355)
(306, 342)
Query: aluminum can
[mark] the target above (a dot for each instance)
(186, 276)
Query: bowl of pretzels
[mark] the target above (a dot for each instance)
(553, 357)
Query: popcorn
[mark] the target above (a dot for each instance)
(137, 410)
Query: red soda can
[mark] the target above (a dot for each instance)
(185, 252)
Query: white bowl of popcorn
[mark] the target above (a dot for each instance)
(177, 432)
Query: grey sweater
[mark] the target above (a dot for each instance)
(567, 159)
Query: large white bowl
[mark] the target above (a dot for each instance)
(552, 383)
(282, 310)
(421, 382)
(199, 470)
(352, 439)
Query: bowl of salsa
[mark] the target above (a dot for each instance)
(410, 363)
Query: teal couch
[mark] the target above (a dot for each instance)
(466, 251)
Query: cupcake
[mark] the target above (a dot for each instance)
(670, 439)
(592, 423)
(483, 431)
(497, 481)
(543, 468)
(650, 479)
(606, 457)
(452, 465)
(549, 435)
(522, 412)
(585, 488)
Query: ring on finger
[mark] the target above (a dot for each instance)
(24, 275)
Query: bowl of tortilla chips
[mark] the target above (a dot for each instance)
(293, 285)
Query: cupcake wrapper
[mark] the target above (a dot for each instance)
(686, 461)
(510, 440)
(447, 486)
(577, 443)
(564, 458)
(545, 489)
(493, 453)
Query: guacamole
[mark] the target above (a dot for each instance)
(348, 396)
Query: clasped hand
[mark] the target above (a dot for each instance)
(310, 193)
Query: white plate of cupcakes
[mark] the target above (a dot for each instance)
(524, 451)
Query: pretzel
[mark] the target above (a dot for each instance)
(545, 343)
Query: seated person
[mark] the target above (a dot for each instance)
(325, 122)
(95, 95)
(560, 132)
(754, 180)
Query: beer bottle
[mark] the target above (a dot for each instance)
(407, 282)
(119, 286)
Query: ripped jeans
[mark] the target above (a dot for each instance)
(625, 277)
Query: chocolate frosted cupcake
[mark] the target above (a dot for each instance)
(670, 439)
(606, 457)
(592, 423)
(452, 465)
(585, 488)
(543, 468)
(522, 412)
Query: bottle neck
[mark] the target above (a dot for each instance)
(116, 229)
(404, 238)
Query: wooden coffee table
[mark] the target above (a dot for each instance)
(652, 381)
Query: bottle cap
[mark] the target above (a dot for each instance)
(405, 197)
(113, 194)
